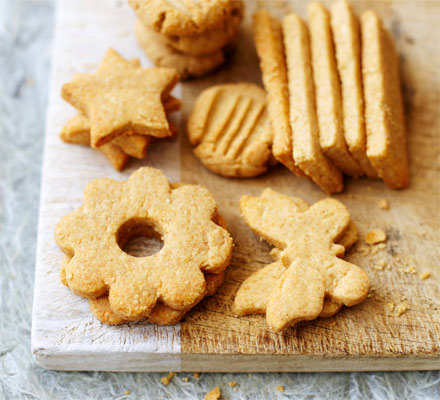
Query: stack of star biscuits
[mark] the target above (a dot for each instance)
(334, 96)
(192, 36)
(120, 108)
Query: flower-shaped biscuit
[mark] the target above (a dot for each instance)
(94, 234)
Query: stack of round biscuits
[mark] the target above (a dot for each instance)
(192, 36)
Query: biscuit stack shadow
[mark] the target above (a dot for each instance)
(334, 96)
(195, 38)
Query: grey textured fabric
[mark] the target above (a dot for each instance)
(25, 38)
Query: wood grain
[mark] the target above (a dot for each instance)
(368, 336)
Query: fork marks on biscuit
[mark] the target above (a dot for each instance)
(230, 127)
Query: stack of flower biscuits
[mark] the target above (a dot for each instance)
(163, 286)
(192, 36)
(120, 108)
(334, 97)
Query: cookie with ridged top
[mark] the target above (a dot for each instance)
(230, 130)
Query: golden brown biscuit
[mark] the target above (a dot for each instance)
(74, 132)
(231, 131)
(77, 131)
(122, 97)
(346, 35)
(385, 122)
(160, 314)
(209, 41)
(253, 295)
(307, 152)
(94, 234)
(184, 17)
(310, 254)
(268, 39)
(328, 91)
(162, 55)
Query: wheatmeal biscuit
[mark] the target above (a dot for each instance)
(347, 40)
(268, 39)
(310, 255)
(74, 132)
(160, 314)
(112, 212)
(122, 97)
(184, 17)
(254, 292)
(230, 129)
(209, 41)
(328, 91)
(77, 131)
(307, 152)
(163, 55)
(385, 121)
(253, 295)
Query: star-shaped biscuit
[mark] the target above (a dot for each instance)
(121, 97)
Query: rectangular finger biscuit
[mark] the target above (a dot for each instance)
(307, 151)
(268, 39)
(328, 91)
(345, 27)
(386, 143)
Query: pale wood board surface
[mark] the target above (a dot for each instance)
(366, 337)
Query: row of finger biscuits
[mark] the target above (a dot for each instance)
(334, 96)
(194, 37)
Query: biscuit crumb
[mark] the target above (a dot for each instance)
(214, 394)
(411, 270)
(379, 267)
(375, 236)
(185, 379)
(425, 275)
(391, 306)
(232, 384)
(332, 324)
(280, 388)
(401, 308)
(167, 379)
(196, 374)
(383, 204)
(127, 392)
(381, 246)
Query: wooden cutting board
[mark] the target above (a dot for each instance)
(369, 336)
